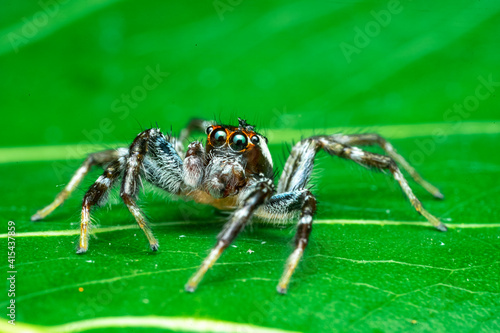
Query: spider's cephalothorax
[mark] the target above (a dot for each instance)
(232, 153)
(233, 171)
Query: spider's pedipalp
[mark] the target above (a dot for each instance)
(194, 165)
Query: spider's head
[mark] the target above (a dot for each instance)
(243, 142)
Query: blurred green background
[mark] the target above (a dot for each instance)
(280, 64)
(425, 74)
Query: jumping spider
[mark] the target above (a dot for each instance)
(234, 171)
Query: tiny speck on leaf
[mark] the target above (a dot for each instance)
(80, 289)
(250, 251)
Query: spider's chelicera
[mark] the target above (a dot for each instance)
(234, 171)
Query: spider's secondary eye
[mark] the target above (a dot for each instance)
(239, 142)
(209, 130)
(219, 138)
(255, 139)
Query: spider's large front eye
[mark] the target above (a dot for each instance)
(239, 142)
(218, 138)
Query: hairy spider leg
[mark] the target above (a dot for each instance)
(373, 138)
(100, 158)
(380, 162)
(105, 157)
(304, 228)
(148, 153)
(282, 206)
(298, 168)
(97, 195)
(132, 179)
(258, 193)
(295, 177)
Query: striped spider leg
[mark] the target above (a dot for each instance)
(102, 158)
(253, 195)
(375, 139)
(297, 172)
(284, 206)
(151, 155)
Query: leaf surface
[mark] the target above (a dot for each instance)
(372, 264)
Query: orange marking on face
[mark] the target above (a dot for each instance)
(229, 135)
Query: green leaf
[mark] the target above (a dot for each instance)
(364, 268)
(372, 264)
